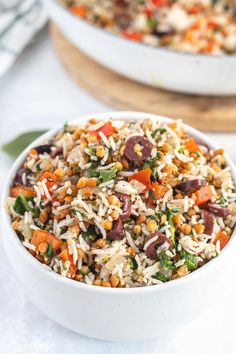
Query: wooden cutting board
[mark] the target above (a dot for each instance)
(205, 113)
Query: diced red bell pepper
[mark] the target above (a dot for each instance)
(161, 3)
(148, 12)
(107, 129)
(203, 195)
(143, 177)
(134, 36)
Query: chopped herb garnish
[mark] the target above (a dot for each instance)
(133, 263)
(103, 175)
(107, 175)
(197, 153)
(63, 230)
(223, 201)
(160, 276)
(165, 261)
(90, 234)
(159, 130)
(151, 164)
(64, 266)
(21, 205)
(172, 230)
(67, 128)
(151, 22)
(93, 173)
(190, 259)
(152, 195)
(37, 166)
(170, 214)
(49, 252)
(159, 213)
(84, 270)
(92, 151)
(73, 211)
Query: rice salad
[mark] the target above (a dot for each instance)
(119, 203)
(195, 26)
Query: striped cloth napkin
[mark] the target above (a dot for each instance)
(19, 21)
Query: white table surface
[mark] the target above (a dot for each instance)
(37, 93)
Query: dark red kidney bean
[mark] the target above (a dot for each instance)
(126, 205)
(42, 149)
(131, 155)
(208, 222)
(191, 184)
(19, 176)
(151, 250)
(117, 232)
(217, 209)
(56, 152)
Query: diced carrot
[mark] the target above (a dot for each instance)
(159, 190)
(33, 154)
(134, 36)
(143, 177)
(26, 191)
(65, 256)
(208, 48)
(79, 10)
(192, 146)
(50, 177)
(223, 237)
(213, 25)
(178, 131)
(107, 129)
(195, 9)
(189, 36)
(196, 25)
(45, 236)
(203, 195)
(215, 167)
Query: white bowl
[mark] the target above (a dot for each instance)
(167, 69)
(109, 313)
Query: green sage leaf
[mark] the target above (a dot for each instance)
(17, 145)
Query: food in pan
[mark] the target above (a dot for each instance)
(196, 26)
